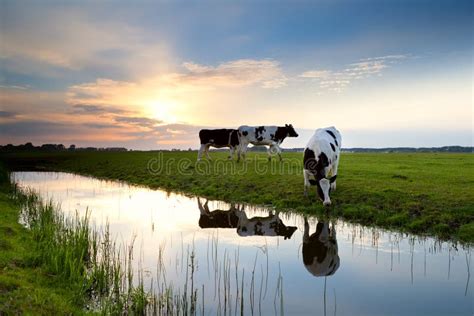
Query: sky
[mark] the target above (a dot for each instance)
(150, 74)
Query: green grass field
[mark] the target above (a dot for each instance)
(421, 193)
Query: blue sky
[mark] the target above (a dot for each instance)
(380, 71)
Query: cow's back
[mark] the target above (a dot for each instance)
(258, 135)
(327, 141)
(219, 219)
(220, 137)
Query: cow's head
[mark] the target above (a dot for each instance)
(289, 230)
(324, 189)
(290, 131)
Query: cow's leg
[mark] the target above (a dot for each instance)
(243, 220)
(306, 230)
(307, 184)
(207, 152)
(243, 150)
(334, 173)
(269, 152)
(278, 150)
(201, 150)
(200, 206)
(333, 230)
(235, 151)
(231, 153)
(204, 209)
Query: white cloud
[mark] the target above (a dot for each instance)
(387, 57)
(239, 72)
(316, 74)
(337, 81)
(236, 73)
(14, 87)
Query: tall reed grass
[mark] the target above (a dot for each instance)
(99, 270)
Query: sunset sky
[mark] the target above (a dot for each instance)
(149, 75)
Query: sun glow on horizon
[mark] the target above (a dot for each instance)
(163, 110)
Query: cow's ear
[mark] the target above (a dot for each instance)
(333, 179)
(286, 125)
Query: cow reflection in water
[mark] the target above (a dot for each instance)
(218, 218)
(270, 225)
(320, 253)
(235, 217)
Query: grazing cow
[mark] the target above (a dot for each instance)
(218, 138)
(321, 159)
(271, 225)
(271, 136)
(218, 218)
(320, 252)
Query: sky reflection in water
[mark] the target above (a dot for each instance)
(313, 268)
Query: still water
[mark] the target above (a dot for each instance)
(281, 263)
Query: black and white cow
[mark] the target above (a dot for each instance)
(320, 251)
(218, 138)
(321, 160)
(218, 218)
(271, 225)
(271, 136)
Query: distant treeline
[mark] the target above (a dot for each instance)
(61, 147)
(448, 149)
(55, 147)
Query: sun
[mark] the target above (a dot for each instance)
(163, 110)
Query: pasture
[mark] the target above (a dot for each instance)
(426, 194)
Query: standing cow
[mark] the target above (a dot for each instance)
(320, 252)
(321, 159)
(271, 136)
(218, 138)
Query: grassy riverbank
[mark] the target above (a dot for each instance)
(420, 193)
(54, 265)
(51, 264)
(26, 285)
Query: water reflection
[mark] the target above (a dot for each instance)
(320, 253)
(218, 218)
(270, 225)
(235, 217)
(381, 270)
